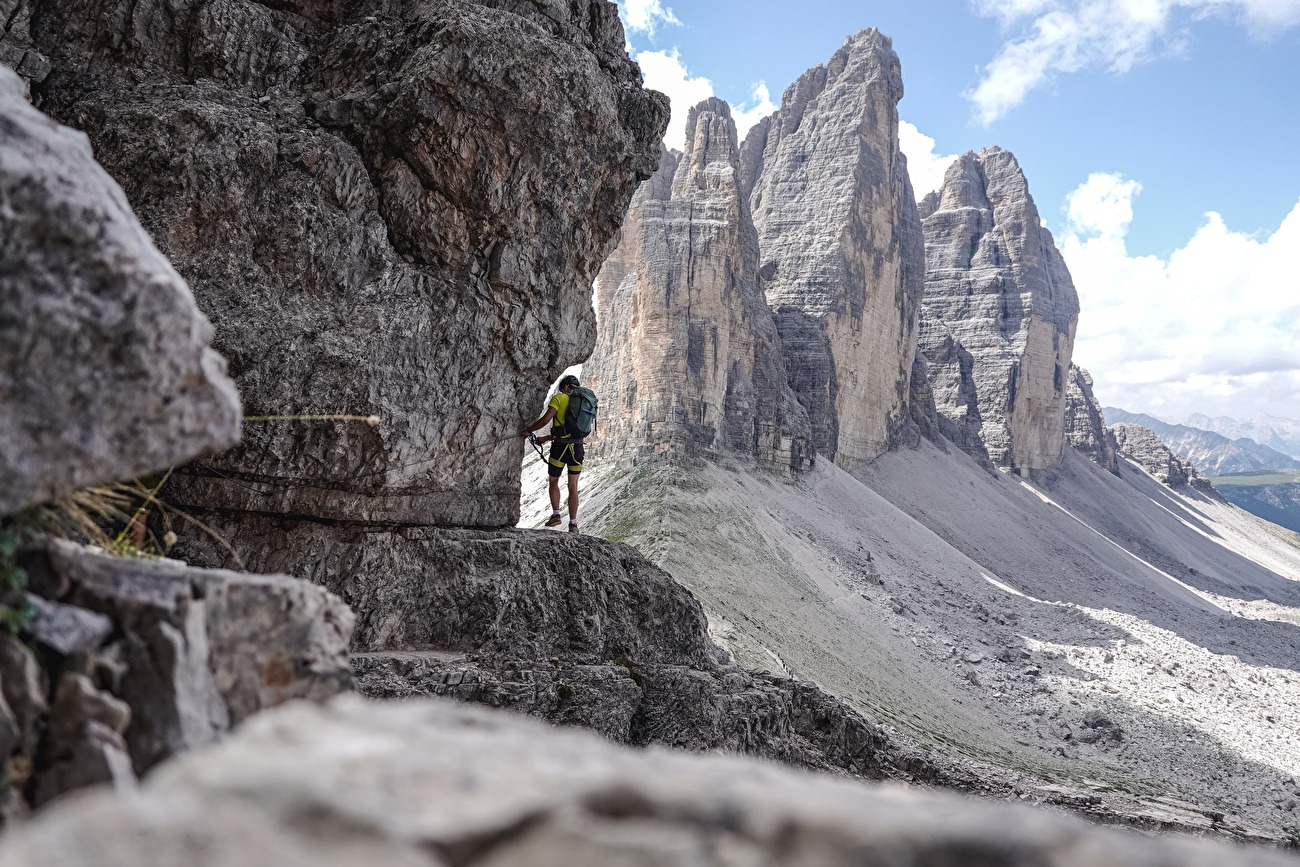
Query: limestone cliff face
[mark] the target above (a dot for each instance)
(1085, 426)
(688, 361)
(842, 256)
(1000, 312)
(389, 208)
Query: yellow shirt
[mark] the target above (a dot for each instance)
(559, 403)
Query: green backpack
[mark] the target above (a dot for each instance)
(580, 417)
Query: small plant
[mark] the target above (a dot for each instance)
(15, 610)
(126, 519)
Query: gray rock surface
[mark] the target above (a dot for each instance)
(429, 783)
(924, 420)
(1085, 425)
(688, 361)
(386, 208)
(137, 660)
(16, 49)
(201, 649)
(1144, 448)
(842, 256)
(66, 629)
(26, 690)
(105, 369)
(1000, 312)
(83, 743)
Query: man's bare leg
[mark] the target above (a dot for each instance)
(573, 498)
(554, 491)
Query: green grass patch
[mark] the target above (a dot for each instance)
(1257, 479)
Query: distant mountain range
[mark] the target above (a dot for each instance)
(1216, 453)
(1282, 434)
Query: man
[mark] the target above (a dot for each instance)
(565, 452)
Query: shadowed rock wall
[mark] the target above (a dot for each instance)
(1085, 426)
(999, 315)
(688, 360)
(842, 257)
(392, 207)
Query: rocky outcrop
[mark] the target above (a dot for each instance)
(1000, 313)
(841, 248)
(576, 630)
(1085, 426)
(688, 361)
(138, 660)
(1145, 449)
(105, 368)
(429, 783)
(383, 214)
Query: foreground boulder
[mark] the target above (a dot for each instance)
(129, 662)
(428, 783)
(387, 208)
(105, 368)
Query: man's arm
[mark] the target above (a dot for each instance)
(540, 423)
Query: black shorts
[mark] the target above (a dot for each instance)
(565, 453)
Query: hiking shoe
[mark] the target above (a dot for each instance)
(554, 521)
(573, 528)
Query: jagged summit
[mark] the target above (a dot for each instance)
(842, 254)
(1000, 312)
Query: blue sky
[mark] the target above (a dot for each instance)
(1159, 138)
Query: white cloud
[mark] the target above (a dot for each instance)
(925, 167)
(663, 71)
(1213, 328)
(1064, 36)
(758, 106)
(644, 16)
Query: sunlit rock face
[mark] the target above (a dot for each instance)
(688, 361)
(842, 258)
(1000, 312)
